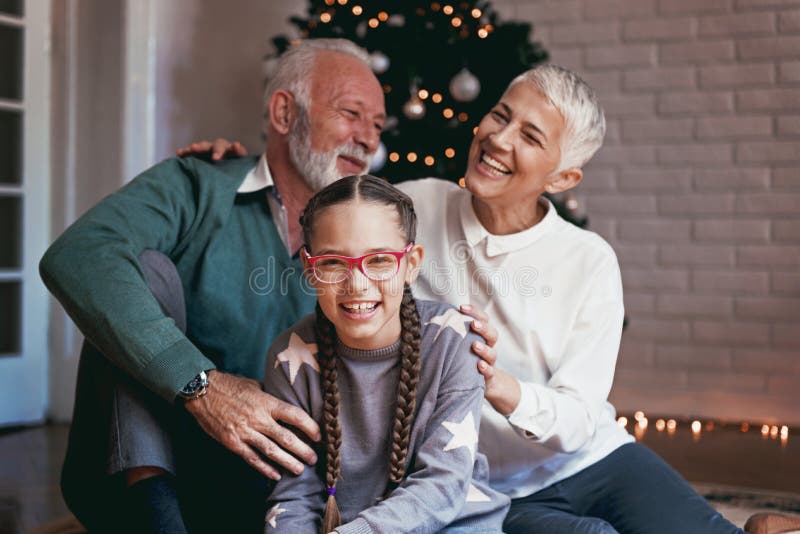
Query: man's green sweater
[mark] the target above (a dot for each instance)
(241, 286)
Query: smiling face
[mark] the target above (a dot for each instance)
(365, 313)
(517, 149)
(340, 132)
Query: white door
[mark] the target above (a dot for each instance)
(24, 207)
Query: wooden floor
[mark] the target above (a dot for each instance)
(30, 460)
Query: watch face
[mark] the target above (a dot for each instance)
(195, 384)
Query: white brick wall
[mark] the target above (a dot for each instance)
(698, 190)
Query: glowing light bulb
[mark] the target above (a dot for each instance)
(482, 33)
(697, 426)
(357, 10)
(745, 427)
(661, 425)
(411, 157)
(383, 16)
(450, 153)
(423, 94)
(638, 415)
(642, 423)
(463, 117)
(373, 23)
(622, 421)
(437, 98)
(764, 431)
(394, 157)
(447, 10)
(476, 13)
(456, 22)
(325, 18)
(773, 432)
(429, 161)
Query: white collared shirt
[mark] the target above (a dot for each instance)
(554, 293)
(258, 178)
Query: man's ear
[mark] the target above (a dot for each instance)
(564, 180)
(414, 257)
(281, 111)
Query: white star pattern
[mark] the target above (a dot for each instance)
(464, 435)
(454, 320)
(476, 495)
(298, 353)
(272, 515)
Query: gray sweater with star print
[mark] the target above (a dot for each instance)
(446, 484)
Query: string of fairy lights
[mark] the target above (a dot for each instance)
(457, 20)
(464, 87)
(641, 423)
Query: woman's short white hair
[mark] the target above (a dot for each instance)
(293, 70)
(584, 122)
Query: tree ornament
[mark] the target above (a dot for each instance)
(414, 109)
(379, 159)
(390, 123)
(379, 62)
(361, 29)
(397, 20)
(464, 86)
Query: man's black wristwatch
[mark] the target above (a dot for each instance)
(196, 388)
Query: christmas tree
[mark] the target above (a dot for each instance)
(442, 65)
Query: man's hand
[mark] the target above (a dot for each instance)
(502, 389)
(244, 419)
(219, 149)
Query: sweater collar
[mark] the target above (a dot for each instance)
(343, 351)
(502, 244)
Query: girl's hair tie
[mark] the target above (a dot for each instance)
(331, 490)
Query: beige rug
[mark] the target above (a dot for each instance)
(736, 504)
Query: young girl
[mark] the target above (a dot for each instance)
(391, 381)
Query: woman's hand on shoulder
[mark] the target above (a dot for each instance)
(502, 390)
(219, 148)
(481, 326)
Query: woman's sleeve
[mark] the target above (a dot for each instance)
(562, 414)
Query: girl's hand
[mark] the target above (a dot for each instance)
(219, 148)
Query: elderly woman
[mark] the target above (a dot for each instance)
(555, 296)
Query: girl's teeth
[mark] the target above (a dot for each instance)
(360, 307)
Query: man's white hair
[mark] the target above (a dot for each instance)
(293, 70)
(584, 122)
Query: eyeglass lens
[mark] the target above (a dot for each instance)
(375, 267)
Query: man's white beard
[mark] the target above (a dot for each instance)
(319, 168)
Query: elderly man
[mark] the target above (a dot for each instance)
(154, 372)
